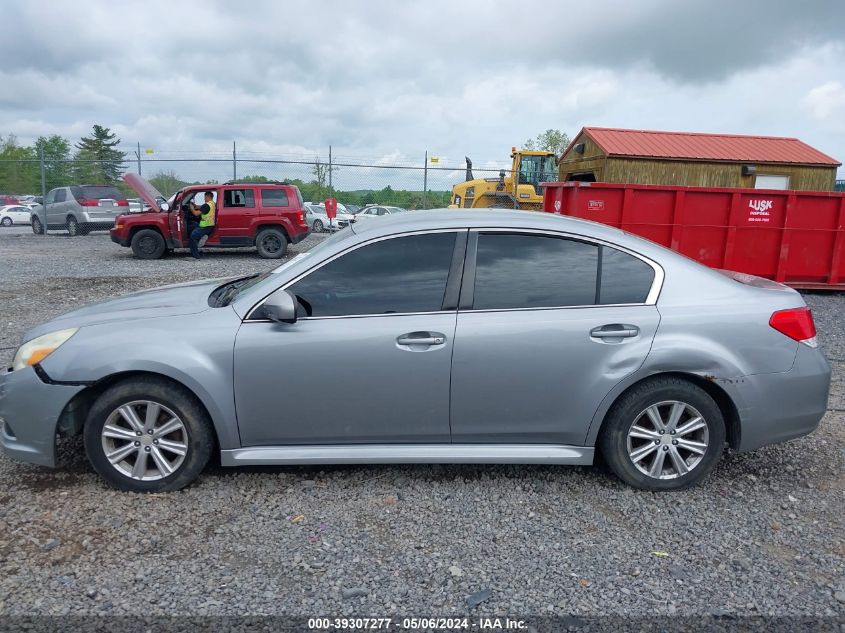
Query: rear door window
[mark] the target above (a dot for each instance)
(239, 198)
(61, 196)
(624, 278)
(274, 198)
(532, 271)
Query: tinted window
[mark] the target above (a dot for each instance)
(60, 195)
(404, 274)
(274, 198)
(94, 192)
(529, 271)
(624, 278)
(239, 198)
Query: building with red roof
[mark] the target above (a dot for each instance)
(697, 160)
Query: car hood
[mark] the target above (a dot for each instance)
(172, 300)
(143, 188)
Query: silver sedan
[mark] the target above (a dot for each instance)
(486, 337)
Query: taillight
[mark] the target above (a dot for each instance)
(797, 324)
(123, 203)
(87, 202)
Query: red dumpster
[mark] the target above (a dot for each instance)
(794, 237)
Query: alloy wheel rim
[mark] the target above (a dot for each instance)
(148, 245)
(271, 243)
(668, 439)
(144, 440)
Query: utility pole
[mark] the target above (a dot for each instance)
(43, 192)
(425, 182)
(138, 155)
(330, 171)
(234, 162)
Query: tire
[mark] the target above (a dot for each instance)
(6, 222)
(195, 437)
(629, 456)
(72, 226)
(271, 243)
(318, 226)
(148, 244)
(37, 227)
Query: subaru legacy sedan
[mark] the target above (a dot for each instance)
(447, 336)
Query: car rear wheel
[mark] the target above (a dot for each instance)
(318, 226)
(72, 226)
(665, 434)
(148, 244)
(271, 243)
(6, 222)
(148, 435)
(36, 226)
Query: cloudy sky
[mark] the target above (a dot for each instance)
(385, 81)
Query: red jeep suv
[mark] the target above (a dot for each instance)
(267, 216)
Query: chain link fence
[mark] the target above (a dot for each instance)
(78, 196)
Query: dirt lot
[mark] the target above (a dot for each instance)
(762, 536)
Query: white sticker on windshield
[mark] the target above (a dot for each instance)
(289, 263)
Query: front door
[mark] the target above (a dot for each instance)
(368, 361)
(549, 326)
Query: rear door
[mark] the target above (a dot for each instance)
(236, 215)
(57, 210)
(548, 324)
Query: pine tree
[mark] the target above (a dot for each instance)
(97, 160)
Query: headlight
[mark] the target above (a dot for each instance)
(38, 349)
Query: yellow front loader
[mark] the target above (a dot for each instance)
(519, 189)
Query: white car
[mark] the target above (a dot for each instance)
(375, 210)
(14, 214)
(320, 222)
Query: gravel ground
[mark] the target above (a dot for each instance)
(762, 536)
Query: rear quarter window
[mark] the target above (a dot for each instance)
(274, 198)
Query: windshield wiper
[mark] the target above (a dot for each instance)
(231, 290)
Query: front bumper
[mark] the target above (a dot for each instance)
(782, 406)
(30, 410)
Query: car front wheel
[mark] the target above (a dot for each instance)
(665, 434)
(148, 244)
(148, 435)
(36, 226)
(6, 222)
(318, 226)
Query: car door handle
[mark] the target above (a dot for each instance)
(615, 331)
(421, 338)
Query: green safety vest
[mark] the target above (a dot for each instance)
(208, 219)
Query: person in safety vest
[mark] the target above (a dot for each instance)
(207, 215)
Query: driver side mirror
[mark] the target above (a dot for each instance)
(164, 207)
(280, 307)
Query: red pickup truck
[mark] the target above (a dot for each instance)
(267, 216)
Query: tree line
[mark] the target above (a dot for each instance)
(94, 159)
(317, 190)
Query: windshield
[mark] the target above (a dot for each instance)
(536, 169)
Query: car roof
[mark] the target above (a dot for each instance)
(431, 219)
